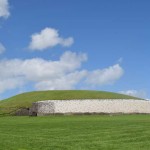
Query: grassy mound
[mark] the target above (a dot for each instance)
(25, 100)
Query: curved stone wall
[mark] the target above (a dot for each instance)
(91, 106)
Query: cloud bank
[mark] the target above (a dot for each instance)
(4, 9)
(48, 38)
(65, 73)
(105, 76)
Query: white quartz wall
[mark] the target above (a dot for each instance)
(94, 106)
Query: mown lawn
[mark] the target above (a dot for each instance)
(124, 132)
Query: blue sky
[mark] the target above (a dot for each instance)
(74, 44)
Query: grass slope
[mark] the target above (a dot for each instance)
(25, 100)
(127, 132)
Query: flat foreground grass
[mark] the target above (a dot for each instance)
(126, 132)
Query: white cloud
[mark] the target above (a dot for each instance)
(2, 48)
(136, 93)
(4, 8)
(105, 76)
(120, 60)
(11, 83)
(65, 73)
(68, 81)
(47, 38)
(16, 72)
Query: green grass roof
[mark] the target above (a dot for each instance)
(25, 100)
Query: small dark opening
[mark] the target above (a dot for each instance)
(34, 114)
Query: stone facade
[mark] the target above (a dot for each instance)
(90, 106)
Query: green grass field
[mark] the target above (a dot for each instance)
(125, 132)
(25, 100)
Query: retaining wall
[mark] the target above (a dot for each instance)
(90, 106)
